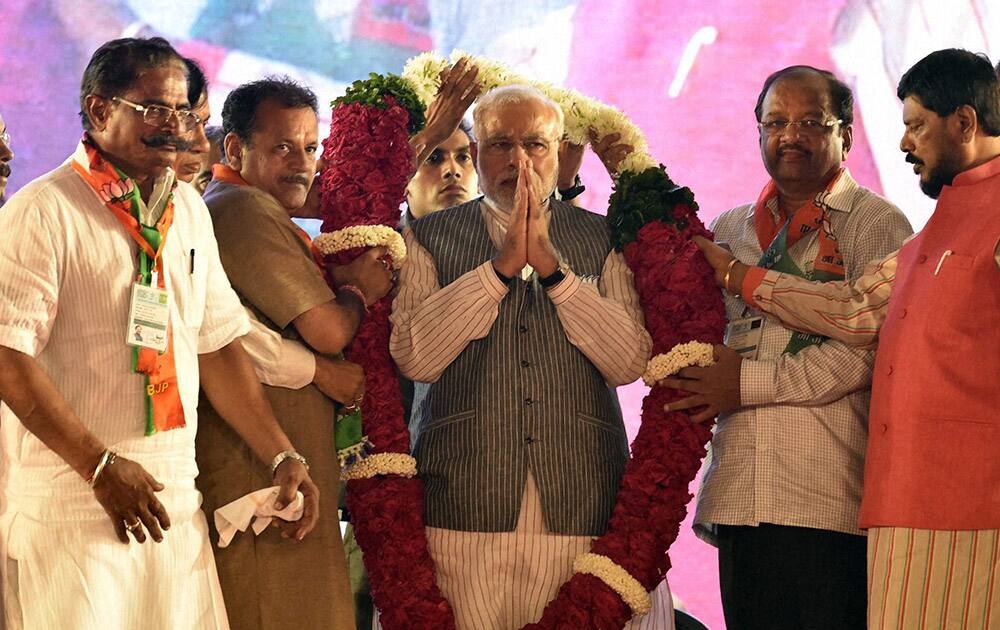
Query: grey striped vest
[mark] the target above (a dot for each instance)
(522, 397)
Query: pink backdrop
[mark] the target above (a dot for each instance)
(694, 102)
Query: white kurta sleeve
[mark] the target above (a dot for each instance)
(279, 362)
(225, 318)
(31, 249)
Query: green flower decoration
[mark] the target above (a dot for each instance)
(643, 197)
(373, 90)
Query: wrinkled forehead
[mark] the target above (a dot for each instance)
(521, 120)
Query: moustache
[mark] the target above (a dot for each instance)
(792, 147)
(4, 169)
(296, 179)
(913, 159)
(159, 141)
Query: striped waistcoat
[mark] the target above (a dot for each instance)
(522, 397)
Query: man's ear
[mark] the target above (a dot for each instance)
(848, 136)
(233, 147)
(968, 122)
(98, 111)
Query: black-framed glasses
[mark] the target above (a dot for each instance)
(159, 115)
(806, 126)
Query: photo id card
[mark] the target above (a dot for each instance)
(148, 315)
(743, 336)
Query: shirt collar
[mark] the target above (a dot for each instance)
(151, 211)
(839, 198)
(227, 174)
(502, 216)
(975, 175)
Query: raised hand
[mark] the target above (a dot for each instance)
(570, 160)
(127, 493)
(513, 254)
(457, 92)
(610, 150)
(541, 254)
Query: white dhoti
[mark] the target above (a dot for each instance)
(66, 568)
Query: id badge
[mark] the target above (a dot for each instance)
(743, 335)
(148, 315)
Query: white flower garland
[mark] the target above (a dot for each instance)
(382, 464)
(363, 236)
(680, 356)
(617, 578)
(581, 112)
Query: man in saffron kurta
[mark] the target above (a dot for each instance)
(932, 477)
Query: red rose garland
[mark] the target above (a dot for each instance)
(681, 303)
(368, 165)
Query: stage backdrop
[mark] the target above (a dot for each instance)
(688, 72)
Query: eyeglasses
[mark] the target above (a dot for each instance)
(806, 126)
(159, 115)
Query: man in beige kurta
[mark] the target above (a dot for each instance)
(268, 581)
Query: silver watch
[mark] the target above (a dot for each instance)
(289, 454)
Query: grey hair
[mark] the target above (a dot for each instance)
(510, 94)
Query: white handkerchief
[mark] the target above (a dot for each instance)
(236, 516)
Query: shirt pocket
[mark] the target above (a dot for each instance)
(953, 318)
(188, 284)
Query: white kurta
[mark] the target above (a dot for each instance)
(66, 270)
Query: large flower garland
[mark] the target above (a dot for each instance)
(651, 221)
(368, 166)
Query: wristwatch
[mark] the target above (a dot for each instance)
(573, 191)
(289, 454)
(555, 277)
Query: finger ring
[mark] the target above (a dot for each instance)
(133, 526)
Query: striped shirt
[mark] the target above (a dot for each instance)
(794, 453)
(924, 579)
(431, 325)
(852, 312)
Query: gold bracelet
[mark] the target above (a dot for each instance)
(729, 270)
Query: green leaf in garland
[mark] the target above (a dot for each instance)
(639, 198)
(351, 443)
(373, 90)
